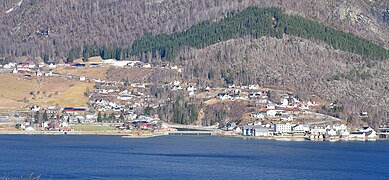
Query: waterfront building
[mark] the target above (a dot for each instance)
(283, 128)
(300, 128)
(254, 130)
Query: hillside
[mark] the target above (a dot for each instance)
(298, 65)
(323, 48)
(255, 22)
(39, 28)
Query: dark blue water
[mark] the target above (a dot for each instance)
(189, 157)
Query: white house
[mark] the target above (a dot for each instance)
(9, 65)
(300, 128)
(287, 118)
(364, 133)
(82, 78)
(124, 97)
(49, 73)
(285, 102)
(271, 106)
(176, 88)
(35, 108)
(41, 65)
(253, 87)
(191, 88)
(176, 83)
(175, 67)
(341, 127)
(332, 132)
(31, 65)
(52, 66)
(30, 129)
(274, 112)
(223, 96)
(258, 115)
(319, 130)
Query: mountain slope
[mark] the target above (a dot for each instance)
(47, 27)
(298, 65)
(256, 22)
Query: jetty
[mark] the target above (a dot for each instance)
(191, 133)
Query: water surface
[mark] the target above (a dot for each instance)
(189, 157)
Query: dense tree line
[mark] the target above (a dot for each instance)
(49, 28)
(256, 22)
(106, 52)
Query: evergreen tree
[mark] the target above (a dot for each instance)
(121, 118)
(37, 117)
(255, 22)
(105, 117)
(99, 118)
(45, 118)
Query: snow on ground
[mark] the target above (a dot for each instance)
(15, 6)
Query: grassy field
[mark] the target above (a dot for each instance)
(17, 93)
(93, 128)
(72, 95)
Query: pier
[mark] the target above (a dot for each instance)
(191, 133)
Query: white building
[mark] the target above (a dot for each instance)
(274, 112)
(191, 88)
(341, 127)
(223, 96)
(258, 115)
(316, 130)
(253, 86)
(271, 106)
(250, 130)
(300, 128)
(283, 128)
(364, 133)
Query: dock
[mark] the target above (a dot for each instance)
(191, 133)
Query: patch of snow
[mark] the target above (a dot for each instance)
(10, 10)
(15, 6)
(19, 3)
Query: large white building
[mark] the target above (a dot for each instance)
(283, 128)
(300, 128)
(253, 130)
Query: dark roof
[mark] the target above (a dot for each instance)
(357, 132)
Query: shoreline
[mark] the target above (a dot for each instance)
(103, 133)
(138, 135)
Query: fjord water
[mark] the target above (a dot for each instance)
(189, 157)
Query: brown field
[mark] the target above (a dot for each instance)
(96, 59)
(98, 73)
(133, 74)
(17, 93)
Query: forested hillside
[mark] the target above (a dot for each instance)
(47, 28)
(293, 64)
(255, 22)
(323, 48)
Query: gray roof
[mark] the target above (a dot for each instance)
(256, 127)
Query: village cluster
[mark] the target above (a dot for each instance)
(290, 117)
(125, 105)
